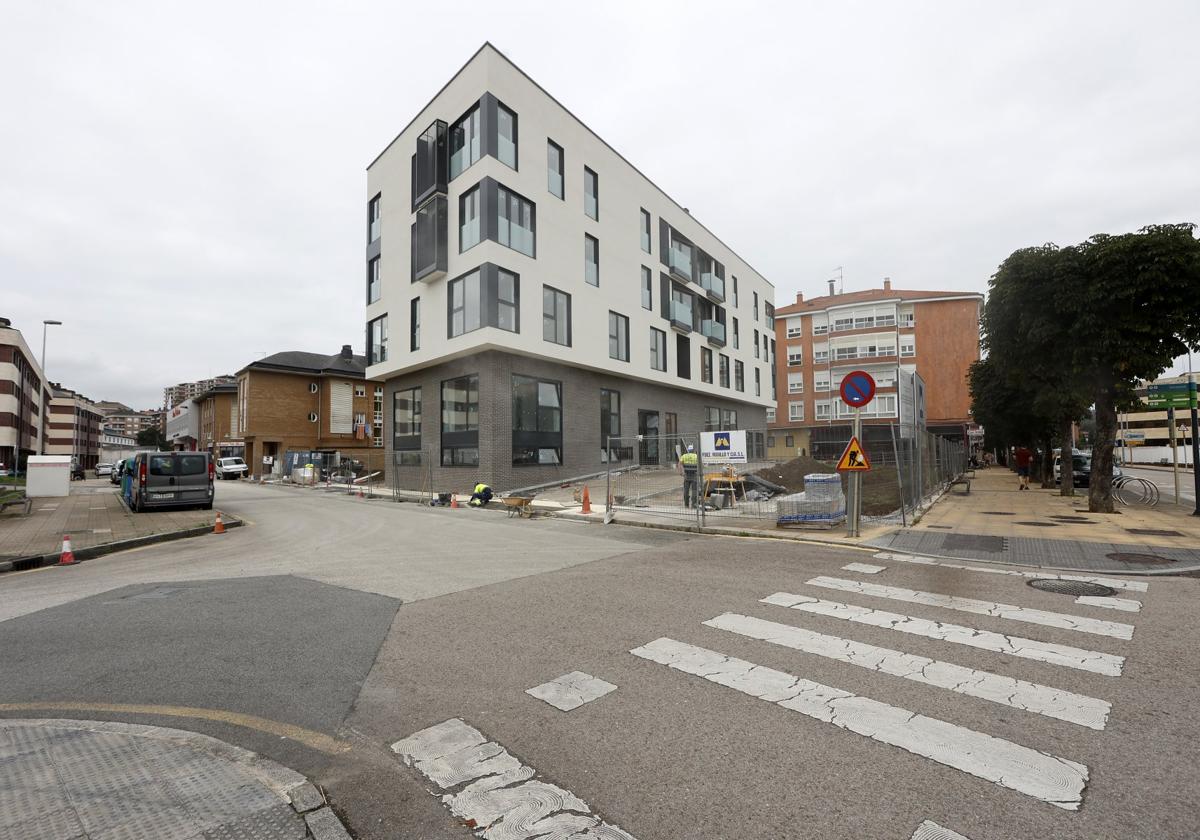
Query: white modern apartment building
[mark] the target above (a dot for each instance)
(529, 294)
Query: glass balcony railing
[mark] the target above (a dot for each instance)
(681, 314)
(679, 258)
(714, 285)
(713, 330)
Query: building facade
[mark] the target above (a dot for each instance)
(220, 434)
(530, 294)
(183, 426)
(115, 447)
(175, 394)
(1146, 432)
(23, 400)
(917, 345)
(133, 423)
(298, 407)
(73, 427)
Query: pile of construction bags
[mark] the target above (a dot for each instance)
(821, 505)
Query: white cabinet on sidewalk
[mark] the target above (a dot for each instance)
(48, 475)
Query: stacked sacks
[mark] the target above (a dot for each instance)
(821, 505)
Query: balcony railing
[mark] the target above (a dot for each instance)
(714, 285)
(681, 315)
(844, 353)
(679, 259)
(714, 331)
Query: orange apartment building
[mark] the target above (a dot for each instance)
(890, 333)
(295, 407)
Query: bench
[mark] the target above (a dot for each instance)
(962, 479)
(24, 501)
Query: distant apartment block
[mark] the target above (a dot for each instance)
(23, 399)
(188, 390)
(73, 426)
(530, 294)
(1146, 432)
(126, 421)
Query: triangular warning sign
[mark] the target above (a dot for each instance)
(854, 459)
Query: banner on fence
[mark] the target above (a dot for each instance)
(723, 447)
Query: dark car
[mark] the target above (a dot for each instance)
(1081, 470)
(171, 479)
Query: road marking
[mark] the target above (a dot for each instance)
(930, 830)
(1115, 583)
(570, 691)
(316, 740)
(1124, 604)
(1046, 777)
(1019, 694)
(1108, 664)
(864, 568)
(1012, 612)
(501, 800)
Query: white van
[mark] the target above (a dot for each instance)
(231, 468)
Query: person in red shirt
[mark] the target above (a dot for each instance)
(1023, 457)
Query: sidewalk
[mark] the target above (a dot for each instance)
(998, 523)
(96, 520)
(75, 779)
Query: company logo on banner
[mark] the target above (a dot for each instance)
(723, 447)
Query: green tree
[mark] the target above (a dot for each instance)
(152, 437)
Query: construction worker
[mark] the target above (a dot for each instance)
(691, 465)
(481, 496)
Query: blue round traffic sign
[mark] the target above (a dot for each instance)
(858, 388)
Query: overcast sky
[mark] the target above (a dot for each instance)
(184, 184)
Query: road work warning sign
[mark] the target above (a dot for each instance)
(854, 459)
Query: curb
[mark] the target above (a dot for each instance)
(1174, 570)
(37, 561)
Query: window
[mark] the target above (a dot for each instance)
(822, 409)
(647, 289)
(506, 140)
(360, 391)
(414, 324)
(756, 351)
(429, 239)
(464, 142)
(406, 419)
(429, 165)
(821, 355)
(683, 357)
(757, 382)
(766, 348)
(735, 293)
(373, 219)
(468, 219)
(728, 419)
(591, 260)
(373, 285)
(723, 371)
(795, 356)
(618, 337)
(463, 296)
(907, 319)
(536, 421)
(646, 232)
(736, 342)
(908, 347)
(706, 365)
(554, 168)
(820, 329)
(556, 316)
(591, 194)
(770, 416)
(769, 314)
(795, 411)
(610, 415)
(739, 375)
(795, 327)
(460, 421)
(712, 418)
(377, 340)
(754, 309)
(506, 300)
(843, 324)
(658, 349)
(789, 441)
(515, 226)
(820, 380)
(795, 383)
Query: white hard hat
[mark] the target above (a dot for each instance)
(690, 447)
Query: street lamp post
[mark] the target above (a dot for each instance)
(1195, 429)
(42, 436)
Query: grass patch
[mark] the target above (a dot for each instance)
(881, 487)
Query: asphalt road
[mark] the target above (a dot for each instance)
(1165, 481)
(365, 622)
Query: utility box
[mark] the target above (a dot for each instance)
(48, 475)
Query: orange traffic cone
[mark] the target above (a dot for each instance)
(219, 527)
(587, 501)
(68, 556)
(453, 500)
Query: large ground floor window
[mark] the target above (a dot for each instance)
(460, 421)
(536, 421)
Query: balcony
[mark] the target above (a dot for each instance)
(714, 285)
(681, 315)
(679, 260)
(845, 354)
(429, 237)
(714, 331)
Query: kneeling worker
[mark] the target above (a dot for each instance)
(481, 496)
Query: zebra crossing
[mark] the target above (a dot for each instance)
(1053, 779)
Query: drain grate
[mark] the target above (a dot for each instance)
(941, 527)
(1140, 559)
(1075, 588)
(997, 513)
(1038, 524)
(1155, 532)
(1074, 519)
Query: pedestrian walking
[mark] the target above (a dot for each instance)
(691, 466)
(1023, 457)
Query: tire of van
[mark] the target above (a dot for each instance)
(207, 506)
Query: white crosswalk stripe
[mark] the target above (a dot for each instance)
(1096, 662)
(929, 830)
(1124, 604)
(1115, 583)
(1018, 694)
(1062, 621)
(864, 568)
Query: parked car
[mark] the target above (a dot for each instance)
(231, 468)
(1081, 469)
(171, 479)
(103, 469)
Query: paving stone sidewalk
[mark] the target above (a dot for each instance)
(92, 780)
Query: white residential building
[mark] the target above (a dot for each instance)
(529, 294)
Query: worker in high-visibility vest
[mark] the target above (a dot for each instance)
(691, 466)
(481, 496)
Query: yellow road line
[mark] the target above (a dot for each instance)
(316, 740)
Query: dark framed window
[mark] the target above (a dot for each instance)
(683, 357)
(507, 299)
(757, 382)
(465, 141)
(429, 164)
(591, 194)
(429, 240)
(469, 217)
(723, 371)
(658, 349)
(536, 421)
(766, 348)
(463, 297)
(414, 324)
(618, 337)
(728, 419)
(373, 284)
(735, 293)
(712, 418)
(739, 375)
(556, 316)
(377, 340)
(706, 365)
(374, 220)
(789, 441)
(591, 260)
(406, 419)
(506, 136)
(647, 289)
(754, 309)
(756, 344)
(489, 296)
(460, 421)
(515, 221)
(645, 231)
(554, 168)
(610, 415)
(736, 341)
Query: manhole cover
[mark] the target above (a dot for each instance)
(1074, 588)
(1038, 524)
(1140, 559)
(996, 513)
(1154, 532)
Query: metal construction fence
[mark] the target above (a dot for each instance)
(344, 472)
(792, 486)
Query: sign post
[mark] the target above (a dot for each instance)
(857, 389)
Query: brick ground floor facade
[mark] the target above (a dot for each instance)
(419, 461)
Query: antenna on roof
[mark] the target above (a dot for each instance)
(841, 281)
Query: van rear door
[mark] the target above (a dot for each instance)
(191, 477)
